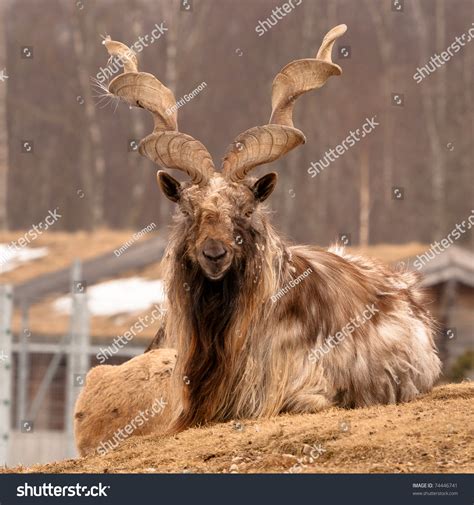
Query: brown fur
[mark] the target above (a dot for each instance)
(114, 395)
(243, 354)
(245, 340)
(247, 356)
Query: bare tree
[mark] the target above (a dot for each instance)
(441, 76)
(93, 176)
(140, 172)
(201, 44)
(434, 137)
(469, 97)
(3, 120)
(364, 206)
(382, 20)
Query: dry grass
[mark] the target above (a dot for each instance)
(431, 434)
(102, 328)
(64, 248)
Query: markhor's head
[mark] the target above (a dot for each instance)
(219, 219)
(219, 211)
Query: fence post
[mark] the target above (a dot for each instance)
(6, 358)
(23, 368)
(78, 361)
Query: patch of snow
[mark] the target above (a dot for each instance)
(11, 257)
(119, 296)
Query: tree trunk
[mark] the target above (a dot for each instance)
(364, 216)
(332, 212)
(171, 78)
(430, 113)
(140, 167)
(3, 120)
(94, 176)
(383, 33)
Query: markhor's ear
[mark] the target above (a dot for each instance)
(264, 187)
(169, 185)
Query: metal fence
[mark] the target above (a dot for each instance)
(40, 380)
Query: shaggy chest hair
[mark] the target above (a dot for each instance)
(213, 312)
(242, 354)
(211, 321)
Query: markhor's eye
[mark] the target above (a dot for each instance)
(248, 213)
(185, 212)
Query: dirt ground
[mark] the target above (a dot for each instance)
(434, 433)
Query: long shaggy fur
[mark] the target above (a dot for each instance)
(242, 355)
(257, 342)
(252, 318)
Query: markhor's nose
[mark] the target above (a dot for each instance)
(213, 250)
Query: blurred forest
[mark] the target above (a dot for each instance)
(80, 158)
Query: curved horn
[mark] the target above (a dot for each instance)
(166, 146)
(263, 144)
